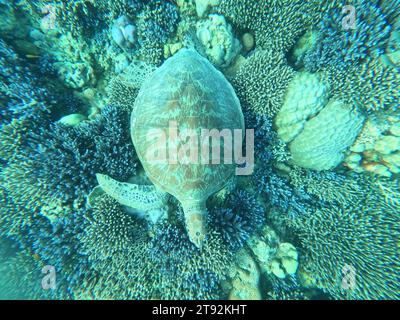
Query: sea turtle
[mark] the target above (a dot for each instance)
(186, 92)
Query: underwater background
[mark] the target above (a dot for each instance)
(319, 218)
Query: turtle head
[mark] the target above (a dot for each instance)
(195, 222)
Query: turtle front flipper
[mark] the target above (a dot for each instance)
(140, 197)
(195, 219)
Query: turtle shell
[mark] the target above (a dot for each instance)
(186, 91)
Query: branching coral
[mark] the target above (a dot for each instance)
(13, 216)
(115, 244)
(164, 264)
(341, 47)
(110, 230)
(157, 22)
(20, 277)
(328, 187)
(85, 18)
(280, 194)
(21, 95)
(124, 88)
(26, 95)
(82, 18)
(285, 289)
(41, 241)
(266, 181)
(276, 24)
(186, 271)
(364, 236)
(241, 217)
(261, 81)
(60, 163)
(372, 86)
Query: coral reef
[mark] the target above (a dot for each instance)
(62, 161)
(318, 130)
(317, 219)
(39, 241)
(288, 288)
(367, 37)
(261, 81)
(371, 86)
(238, 219)
(124, 87)
(186, 271)
(202, 6)
(164, 265)
(327, 186)
(123, 32)
(245, 277)
(325, 138)
(221, 46)
(306, 95)
(377, 147)
(276, 24)
(285, 261)
(363, 236)
(24, 95)
(19, 276)
(157, 22)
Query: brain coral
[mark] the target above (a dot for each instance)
(306, 95)
(318, 130)
(325, 138)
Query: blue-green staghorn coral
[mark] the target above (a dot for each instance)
(70, 75)
(363, 235)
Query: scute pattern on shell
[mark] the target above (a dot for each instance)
(189, 90)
